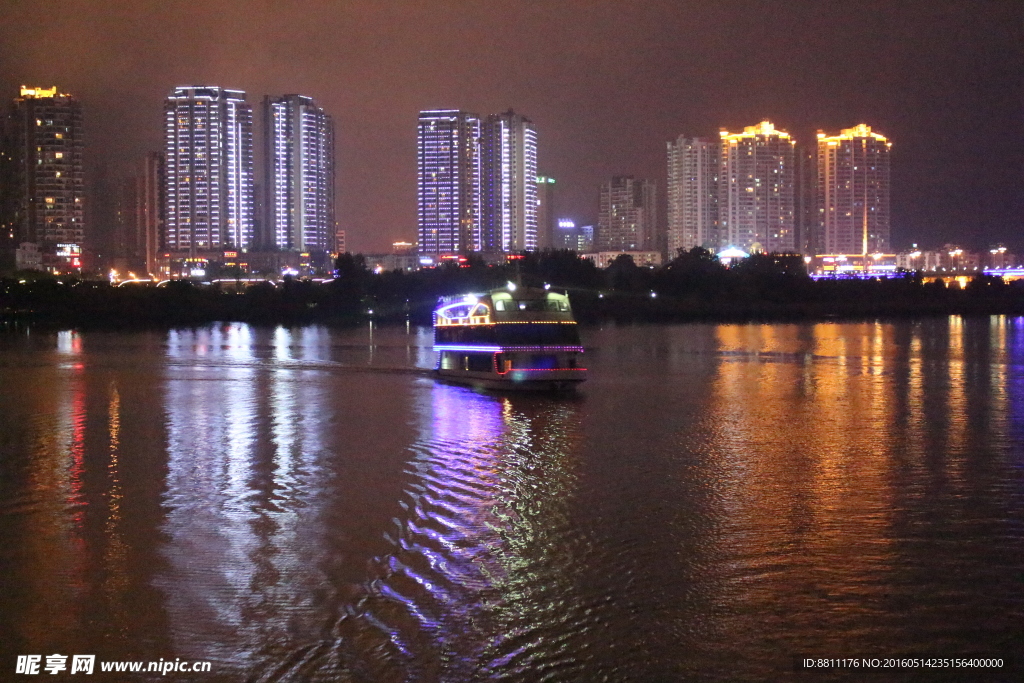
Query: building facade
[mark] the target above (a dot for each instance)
(692, 193)
(627, 218)
(9, 200)
(139, 216)
(805, 199)
(853, 192)
(299, 175)
(209, 202)
(152, 202)
(448, 181)
(578, 238)
(44, 202)
(546, 221)
(756, 190)
(508, 184)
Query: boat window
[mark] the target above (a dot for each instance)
(543, 362)
(515, 334)
(499, 305)
(540, 305)
(533, 305)
(480, 362)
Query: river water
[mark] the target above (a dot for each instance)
(307, 504)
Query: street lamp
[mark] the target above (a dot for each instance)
(954, 258)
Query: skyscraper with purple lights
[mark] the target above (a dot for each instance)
(209, 170)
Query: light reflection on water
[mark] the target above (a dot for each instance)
(477, 539)
(246, 478)
(306, 504)
(52, 560)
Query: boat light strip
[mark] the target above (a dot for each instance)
(499, 349)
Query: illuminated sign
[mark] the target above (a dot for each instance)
(764, 129)
(38, 92)
(859, 131)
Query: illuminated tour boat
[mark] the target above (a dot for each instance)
(510, 338)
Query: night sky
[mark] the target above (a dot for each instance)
(606, 83)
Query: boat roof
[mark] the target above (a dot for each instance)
(471, 309)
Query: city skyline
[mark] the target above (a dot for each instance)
(762, 191)
(754, 190)
(941, 78)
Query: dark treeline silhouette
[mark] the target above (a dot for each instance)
(692, 286)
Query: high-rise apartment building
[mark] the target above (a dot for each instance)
(756, 189)
(299, 175)
(693, 168)
(853, 192)
(8, 197)
(209, 170)
(627, 220)
(546, 220)
(122, 253)
(44, 198)
(805, 199)
(139, 218)
(152, 202)
(508, 183)
(448, 180)
(139, 211)
(578, 238)
(8, 186)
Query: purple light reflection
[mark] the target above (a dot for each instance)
(476, 550)
(1014, 387)
(443, 571)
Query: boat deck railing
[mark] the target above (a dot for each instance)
(444, 321)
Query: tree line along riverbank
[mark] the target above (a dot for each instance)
(694, 286)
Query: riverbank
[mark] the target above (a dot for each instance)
(90, 304)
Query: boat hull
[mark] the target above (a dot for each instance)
(516, 380)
